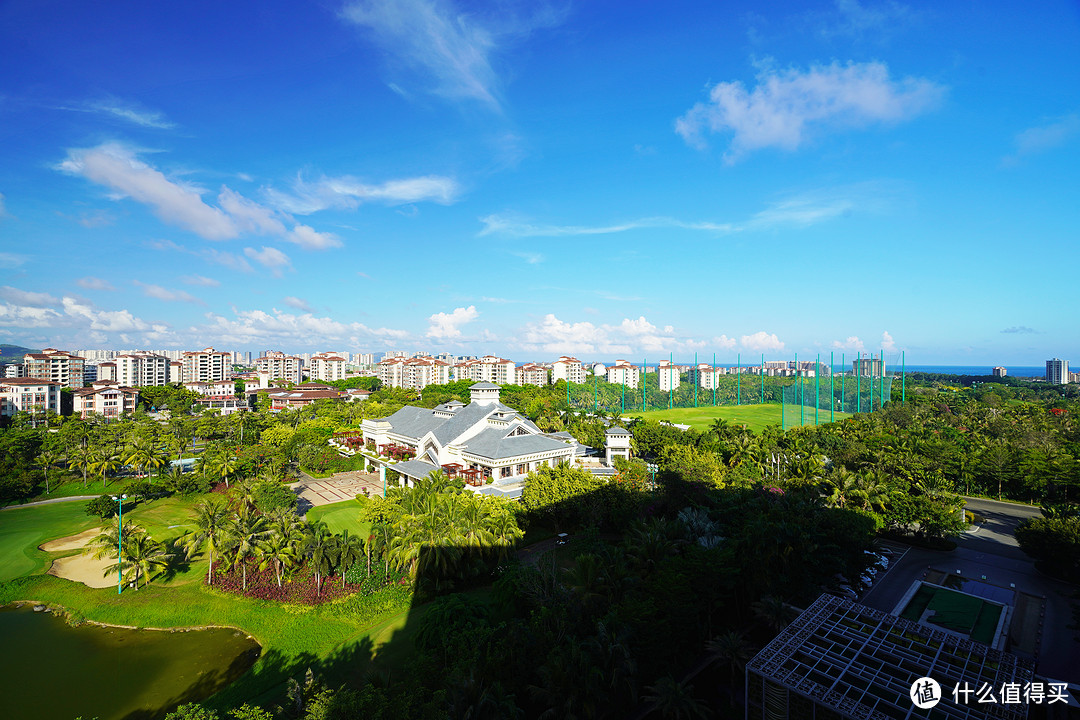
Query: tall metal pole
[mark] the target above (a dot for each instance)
(783, 406)
(643, 376)
(697, 373)
(858, 383)
(843, 377)
(738, 382)
(817, 388)
(903, 376)
(762, 378)
(120, 548)
(800, 394)
(881, 383)
(625, 380)
(595, 384)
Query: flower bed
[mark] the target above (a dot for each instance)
(262, 584)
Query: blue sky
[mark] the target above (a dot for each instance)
(603, 179)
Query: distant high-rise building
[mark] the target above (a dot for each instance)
(276, 365)
(55, 365)
(668, 375)
(204, 365)
(140, 368)
(869, 367)
(999, 372)
(1057, 371)
(625, 373)
(568, 369)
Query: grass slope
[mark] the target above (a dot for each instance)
(23, 529)
(755, 417)
(340, 516)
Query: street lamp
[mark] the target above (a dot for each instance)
(120, 544)
(652, 469)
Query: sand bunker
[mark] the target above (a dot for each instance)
(80, 568)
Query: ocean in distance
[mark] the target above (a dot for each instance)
(1012, 371)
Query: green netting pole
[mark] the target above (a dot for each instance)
(858, 383)
(762, 378)
(881, 392)
(625, 380)
(783, 403)
(697, 373)
(595, 389)
(903, 377)
(643, 376)
(568, 390)
(714, 383)
(738, 382)
(817, 388)
(832, 386)
(843, 377)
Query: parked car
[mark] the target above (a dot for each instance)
(848, 592)
(866, 580)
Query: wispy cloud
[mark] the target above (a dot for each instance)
(1019, 330)
(1044, 137)
(852, 18)
(852, 343)
(160, 293)
(348, 193)
(297, 303)
(514, 227)
(787, 106)
(26, 297)
(555, 336)
(761, 340)
(200, 281)
(93, 283)
(131, 112)
(270, 258)
(10, 261)
(119, 168)
(451, 47)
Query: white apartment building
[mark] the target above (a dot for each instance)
(420, 372)
(106, 398)
(176, 371)
(96, 356)
(1057, 371)
(205, 365)
(531, 374)
(327, 366)
(624, 373)
(568, 369)
(12, 370)
(28, 395)
(276, 365)
(489, 368)
(668, 375)
(56, 365)
(218, 389)
(390, 371)
(364, 360)
(139, 369)
(708, 376)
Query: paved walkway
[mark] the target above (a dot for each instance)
(71, 498)
(336, 488)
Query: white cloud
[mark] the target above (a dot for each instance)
(117, 167)
(24, 317)
(94, 283)
(226, 259)
(554, 336)
(279, 327)
(270, 258)
(160, 293)
(887, 342)
(200, 281)
(761, 340)
(724, 342)
(309, 239)
(851, 343)
(10, 261)
(348, 193)
(444, 326)
(298, 303)
(104, 320)
(132, 113)
(513, 227)
(1044, 137)
(786, 105)
(855, 19)
(434, 37)
(26, 297)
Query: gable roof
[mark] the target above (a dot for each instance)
(493, 443)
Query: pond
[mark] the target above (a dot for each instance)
(49, 669)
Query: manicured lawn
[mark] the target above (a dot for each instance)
(23, 529)
(340, 516)
(755, 417)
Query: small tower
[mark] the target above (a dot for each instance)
(617, 444)
(484, 393)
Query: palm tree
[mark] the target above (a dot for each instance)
(278, 550)
(105, 462)
(349, 552)
(730, 649)
(774, 612)
(211, 520)
(107, 542)
(319, 550)
(245, 530)
(675, 700)
(142, 454)
(45, 460)
(141, 554)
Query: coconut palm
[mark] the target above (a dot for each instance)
(730, 649)
(45, 460)
(143, 455)
(107, 542)
(277, 550)
(349, 552)
(319, 551)
(105, 461)
(675, 699)
(141, 556)
(245, 528)
(211, 520)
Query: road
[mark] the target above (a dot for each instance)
(990, 552)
